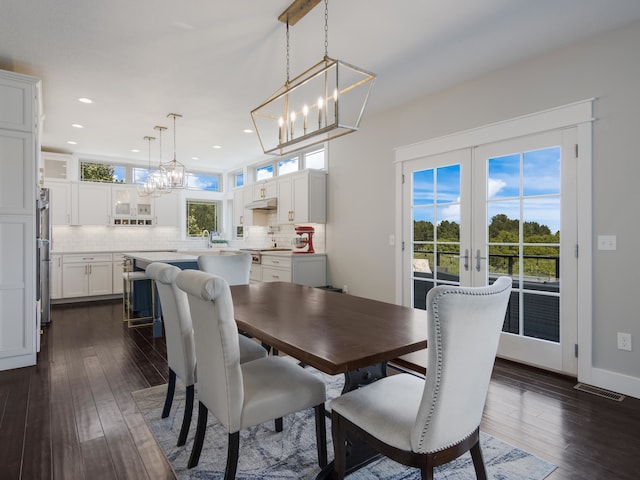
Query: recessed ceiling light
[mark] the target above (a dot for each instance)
(195, 158)
(135, 150)
(247, 130)
(85, 100)
(77, 125)
(217, 146)
(71, 142)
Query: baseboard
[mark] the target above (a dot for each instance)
(616, 382)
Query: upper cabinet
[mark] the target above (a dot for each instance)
(167, 209)
(265, 189)
(241, 197)
(60, 203)
(129, 208)
(94, 203)
(302, 197)
(19, 101)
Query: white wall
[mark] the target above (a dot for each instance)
(361, 173)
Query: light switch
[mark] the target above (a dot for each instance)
(606, 242)
(392, 240)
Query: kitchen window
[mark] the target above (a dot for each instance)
(102, 172)
(203, 181)
(201, 215)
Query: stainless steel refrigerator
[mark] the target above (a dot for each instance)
(43, 261)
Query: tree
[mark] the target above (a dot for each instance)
(97, 172)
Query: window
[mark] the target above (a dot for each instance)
(201, 215)
(238, 179)
(102, 172)
(139, 175)
(264, 172)
(315, 160)
(288, 166)
(203, 181)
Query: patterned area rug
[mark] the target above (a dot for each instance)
(267, 455)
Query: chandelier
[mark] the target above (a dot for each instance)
(159, 176)
(324, 102)
(174, 170)
(148, 188)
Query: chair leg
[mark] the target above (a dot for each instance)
(171, 388)
(478, 462)
(200, 431)
(321, 434)
(232, 456)
(339, 435)
(186, 419)
(279, 426)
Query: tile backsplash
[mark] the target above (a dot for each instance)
(120, 239)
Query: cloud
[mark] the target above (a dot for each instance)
(494, 186)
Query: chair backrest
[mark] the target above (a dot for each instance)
(234, 268)
(220, 386)
(464, 327)
(181, 354)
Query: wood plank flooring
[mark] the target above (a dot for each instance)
(72, 415)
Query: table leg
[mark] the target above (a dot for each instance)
(359, 454)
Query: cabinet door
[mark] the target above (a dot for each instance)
(167, 209)
(74, 280)
(55, 280)
(118, 270)
(60, 203)
(17, 99)
(270, 274)
(94, 203)
(241, 197)
(101, 278)
(300, 195)
(285, 199)
(17, 182)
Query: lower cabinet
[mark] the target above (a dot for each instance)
(118, 270)
(255, 274)
(301, 269)
(55, 280)
(87, 275)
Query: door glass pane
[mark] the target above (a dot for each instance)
(504, 177)
(436, 229)
(523, 208)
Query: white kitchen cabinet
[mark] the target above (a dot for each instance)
(118, 270)
(129, 208)
(167, 209)
(241, 197)
(55, 277)
(85, 275)
(264, 189)
(93, 203)
(19, 127)
(302, 197)
(255, 273)
(59, 202)
(57, 166)
(303, 269)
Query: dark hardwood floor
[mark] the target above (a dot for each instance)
(72, 416)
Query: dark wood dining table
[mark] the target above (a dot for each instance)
(333, 332)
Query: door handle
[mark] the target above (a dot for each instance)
(478, 258)
(466, 259)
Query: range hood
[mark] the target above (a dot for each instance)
(263, 204)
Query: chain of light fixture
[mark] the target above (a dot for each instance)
(148, 188)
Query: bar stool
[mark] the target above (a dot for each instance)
(130, 303)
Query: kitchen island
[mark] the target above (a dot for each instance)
(141, 260)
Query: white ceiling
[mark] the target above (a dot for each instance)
(214, 61)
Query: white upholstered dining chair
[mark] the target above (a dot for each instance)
(247, 394)
(234, 268)
(181, 354)
(428, 422)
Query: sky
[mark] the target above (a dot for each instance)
(534, 194)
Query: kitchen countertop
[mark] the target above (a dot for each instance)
(161, 256)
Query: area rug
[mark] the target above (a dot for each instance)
(291, 454)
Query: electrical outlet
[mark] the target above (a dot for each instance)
(345, 289)
(607, 242)
(624, 341)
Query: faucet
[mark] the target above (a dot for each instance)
(205, 234)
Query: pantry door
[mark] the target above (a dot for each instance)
(505, 208)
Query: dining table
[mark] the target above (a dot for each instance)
(333, 332)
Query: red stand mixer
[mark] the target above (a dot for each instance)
(305, 239)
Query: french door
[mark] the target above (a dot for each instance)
(505, 208)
